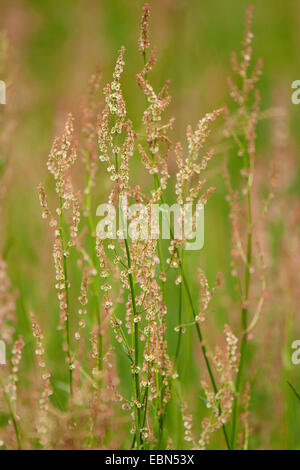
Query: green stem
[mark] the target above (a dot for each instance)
(95, 285)
(199, 333)
(180, 329)
(136, 348)
(63, 245)
(244, 313)
(294, 390)
(145, 398)
(157, 185)
(134, 325)
(204, 352)
(14, 421)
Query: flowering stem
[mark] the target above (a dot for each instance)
(199, 333)
(95, 285)
(157, 184)
(12, 417)
(244, 310)
(145, 400)
(14, 420)
(134, 326)
(294, 390)
(180, 329)
(204, 352)
(63, 246)
(136, 349)
(146, 394)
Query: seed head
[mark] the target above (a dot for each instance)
(144, 29)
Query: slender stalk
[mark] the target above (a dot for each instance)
(145, 399)
(179, 339)
(14, 420)
(136, 349)
(204, 352)
(157, 185)
(244, 312)
(95, 285)
(134, 326)
(12, 417)
(294, 390)
(63, 245)
(180, 329)
(199, 333)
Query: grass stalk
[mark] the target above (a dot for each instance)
(179, 339)
(294, 390)
(95, 284)
(136, 350)
(134, 327)
(199, 334)
(244, 316)
(63, 245)
(204, 352)
(12, 417)
(14, 421)
(180, 329)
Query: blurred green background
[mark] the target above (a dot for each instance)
(54, 48)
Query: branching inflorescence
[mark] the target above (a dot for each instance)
(128, 276)
(247, 256)
(124, 280)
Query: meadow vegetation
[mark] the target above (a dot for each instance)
(140, 343)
